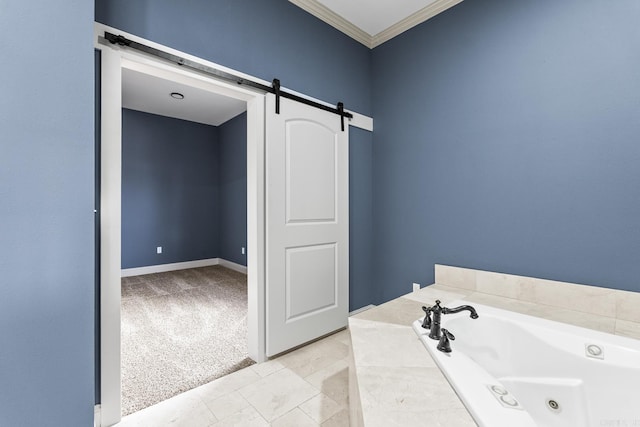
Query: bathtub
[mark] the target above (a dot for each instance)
(511, 369)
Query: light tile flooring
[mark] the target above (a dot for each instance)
(307, 387)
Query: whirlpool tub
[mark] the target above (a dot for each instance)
(511, 369)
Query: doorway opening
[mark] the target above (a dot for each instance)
(184, 285)
(114, 63)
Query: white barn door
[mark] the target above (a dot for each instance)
(307, 223)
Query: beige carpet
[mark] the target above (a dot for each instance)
(180, 330)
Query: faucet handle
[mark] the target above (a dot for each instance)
(426, 323)
(448, 334)
(444, 345)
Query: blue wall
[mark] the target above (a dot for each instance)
(170, 190)
(46, 207)
(361, 284)
(233, 189)
(515, 146)
(184, 187)
(263, 38)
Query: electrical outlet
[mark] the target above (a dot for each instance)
(159, 250)
(243, 250)
(416, 287)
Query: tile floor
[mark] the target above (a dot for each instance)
(307, 387)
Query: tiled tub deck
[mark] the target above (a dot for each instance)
(393, 381)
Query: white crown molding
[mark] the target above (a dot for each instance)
(330, 17)
(411, 21)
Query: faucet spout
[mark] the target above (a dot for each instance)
(433, 323)
(468, 308)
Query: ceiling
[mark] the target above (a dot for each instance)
(143, 92)
(373, 22)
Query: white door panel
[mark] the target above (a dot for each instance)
(315, 267)
(310, 172)
(307, 218)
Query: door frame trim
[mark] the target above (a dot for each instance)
(113, 61)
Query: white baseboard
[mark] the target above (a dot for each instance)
(233, 266)
(163, 268)
(97, 421)
(360, 310)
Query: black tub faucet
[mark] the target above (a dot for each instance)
(437, 311)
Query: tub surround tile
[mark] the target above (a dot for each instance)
(577, 297)
(628, 306)
(400, 311)
(576, 318)
(401, 345)
(628, 329)
(404, 396)
(456, 277)
(392, 375)
(355, 404)
(427, 295)
(572, 317)
(505, 285)
(405, 388)
(452, 418)
(588, 299)
(524, 307)
(444, 418)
